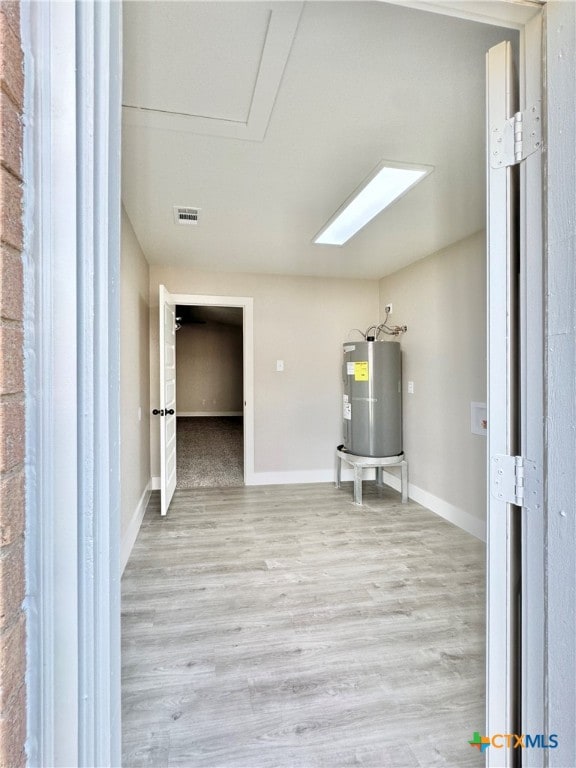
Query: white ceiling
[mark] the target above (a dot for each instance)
(266, 116)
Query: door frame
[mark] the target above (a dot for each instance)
(531, 375)
(502, 567)
(74, 687)
(528, 18)
(246, 303)
(72, 131)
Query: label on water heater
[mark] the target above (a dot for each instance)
(361, 371)
(350, 348)
(350, 369)
(347, 408)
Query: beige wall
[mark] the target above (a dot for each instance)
(209, 368)
(442, 300)
(304, 322)
(135, 374)
(300, 320)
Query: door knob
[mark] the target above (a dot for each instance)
(156, 412)
(169, 411)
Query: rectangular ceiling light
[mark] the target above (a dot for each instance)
(381, 188)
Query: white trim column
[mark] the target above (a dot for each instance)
(560, 384)
(72, 219)
(502, 522)
(49, 40)
(98, 78)
(532, 401)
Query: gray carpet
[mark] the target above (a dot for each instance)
(210, 452)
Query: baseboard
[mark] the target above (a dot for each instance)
(442, 508)
(209, 413)
(291, 478)
(304, 476)
(130, 534)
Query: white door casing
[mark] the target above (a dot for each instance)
(71, 169)
(247, 305)
(502, 541)
(531, 379)
(515, 574)
(167, 415)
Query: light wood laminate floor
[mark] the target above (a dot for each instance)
(284, 627)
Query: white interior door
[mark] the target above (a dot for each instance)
(503, 516)
(167, 398)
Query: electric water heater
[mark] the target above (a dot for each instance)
(372, 400)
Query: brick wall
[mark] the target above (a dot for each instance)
(12, 626)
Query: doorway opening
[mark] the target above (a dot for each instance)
(64, 622)
(214, 400)
(296, 392)
(210, 397)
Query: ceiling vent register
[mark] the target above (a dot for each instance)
(186, 215)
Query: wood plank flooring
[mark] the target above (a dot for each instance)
(284, 627)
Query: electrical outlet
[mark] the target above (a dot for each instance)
(388, 309)
(279, 365)
(478, 419)
(410, 387)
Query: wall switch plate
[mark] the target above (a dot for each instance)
(279, 365)
(410, 387)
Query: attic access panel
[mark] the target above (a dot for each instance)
(208, 68)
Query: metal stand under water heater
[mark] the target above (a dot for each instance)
(372, 400)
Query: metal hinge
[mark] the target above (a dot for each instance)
(516, 480)
(519, 137)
